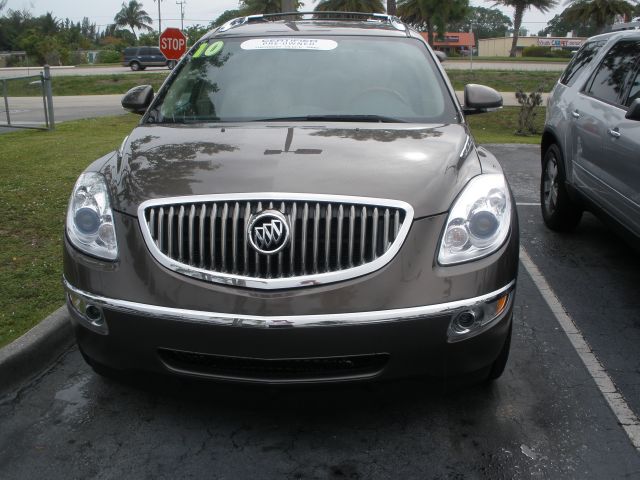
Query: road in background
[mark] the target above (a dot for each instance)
(545, 418)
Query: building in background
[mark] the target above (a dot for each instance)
(453, 43)
(501, 46)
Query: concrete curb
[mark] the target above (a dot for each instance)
(26, 357)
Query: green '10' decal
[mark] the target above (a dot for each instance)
(208, 50)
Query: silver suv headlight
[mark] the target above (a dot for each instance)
(479, 220)
(90, 219)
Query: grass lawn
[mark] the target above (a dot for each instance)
(504, 80)
(39, 169)
(38, 172)
(88, 84)
(512, 59)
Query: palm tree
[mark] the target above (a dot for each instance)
(257, 7)
(432, 15)
(520, 6)
(367, 6)
(600, 13)
(133, 16)
(391, 7)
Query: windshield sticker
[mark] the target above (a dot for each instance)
(209, 50)
(289, 44)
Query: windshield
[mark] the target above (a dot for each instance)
(332, 78)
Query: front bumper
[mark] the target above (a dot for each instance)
(127, 335)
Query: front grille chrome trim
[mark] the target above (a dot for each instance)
(310, 204)
(288, 321)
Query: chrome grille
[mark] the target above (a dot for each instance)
(206, 237)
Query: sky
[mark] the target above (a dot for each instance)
(101, 12)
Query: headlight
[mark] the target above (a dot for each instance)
(479, 221)
(90, 219)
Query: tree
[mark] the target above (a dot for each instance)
(257, 7)
(559, 26)
(521, 6)
(365, 6)
(133, 16)
(485, 22)
(225, 17)
(432, 15)
(600, 13)
(391, 7)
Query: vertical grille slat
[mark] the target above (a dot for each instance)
(192, 239)
(316, 236)
(170, 232)
(181, 233)
(212, 236)
(257, 255)
(292, 242)
(363, 234)
(245, 246)
(152, 225)
(281, 253)
(385, 237)
(339, 238)
(234, 237)
(303, 248)
(223, 237)
(161, 229)
(327, 237)
(352, 234)
(268, 273)
(202, 218)
(374, 234)
(324, 235)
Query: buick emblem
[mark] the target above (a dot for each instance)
(268, 232)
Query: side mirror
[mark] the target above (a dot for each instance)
(138, 99)
(634, 110)
(480, 99)
(441, 55)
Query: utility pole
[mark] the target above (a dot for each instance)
(159, 17)
(182, 4)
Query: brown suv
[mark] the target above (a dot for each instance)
(302, 201)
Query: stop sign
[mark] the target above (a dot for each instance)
(173, 43)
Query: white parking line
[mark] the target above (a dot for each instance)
(627, 419)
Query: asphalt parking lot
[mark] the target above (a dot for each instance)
(545, 418)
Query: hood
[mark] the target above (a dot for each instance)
(420, 165)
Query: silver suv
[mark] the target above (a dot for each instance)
(591, 141)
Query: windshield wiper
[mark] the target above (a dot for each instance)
(334, 118)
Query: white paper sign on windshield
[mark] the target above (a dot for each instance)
(279, 43)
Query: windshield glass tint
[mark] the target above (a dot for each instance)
(244, 79)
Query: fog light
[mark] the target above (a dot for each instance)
(480, 317)
(88, 315)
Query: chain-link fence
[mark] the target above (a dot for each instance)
(27, 101)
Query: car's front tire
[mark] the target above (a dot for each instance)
(558, 211)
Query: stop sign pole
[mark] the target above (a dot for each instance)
(173, 43)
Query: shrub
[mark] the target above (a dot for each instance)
(528, 106)
(536, 51)
(109, 56)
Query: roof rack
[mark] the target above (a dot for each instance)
(392, 20)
